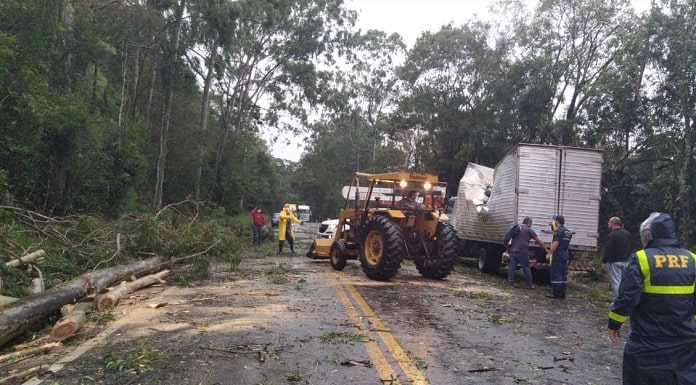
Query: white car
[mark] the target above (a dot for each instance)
(327, 229)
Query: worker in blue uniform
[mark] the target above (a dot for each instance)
(559, 257)
(657, 292)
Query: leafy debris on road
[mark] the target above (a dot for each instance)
(343, 338)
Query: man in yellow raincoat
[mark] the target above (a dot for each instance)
(285, 231)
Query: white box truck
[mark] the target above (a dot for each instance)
(536, 181)
(304, 213)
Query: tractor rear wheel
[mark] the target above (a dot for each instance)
(382, 245)
(438, 260)
(337, 256)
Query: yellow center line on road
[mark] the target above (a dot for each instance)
(408, 366)
(386, 372)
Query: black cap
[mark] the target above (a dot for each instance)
(559, 219)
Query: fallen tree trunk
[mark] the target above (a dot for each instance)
(21, 315)
(108, 300)
(71, 322)
(32, 257)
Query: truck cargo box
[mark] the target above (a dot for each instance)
(537, 181)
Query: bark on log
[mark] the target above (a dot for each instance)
(67, 326)
(107, 301)
(29, 352)
(21, 315)
(32, 257)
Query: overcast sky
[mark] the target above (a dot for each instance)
(409, 18)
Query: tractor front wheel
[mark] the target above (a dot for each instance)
(382, 247)
(337, 256)
(439, 257)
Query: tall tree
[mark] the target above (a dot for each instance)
(172, 58)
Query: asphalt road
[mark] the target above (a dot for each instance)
(287, 319)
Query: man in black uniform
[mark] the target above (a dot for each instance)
(657, 292)
(561, 257)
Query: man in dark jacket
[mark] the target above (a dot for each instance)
(657, 293)
(617, 248)
(560, 257)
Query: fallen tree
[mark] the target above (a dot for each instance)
(108, 300)
(19, 316)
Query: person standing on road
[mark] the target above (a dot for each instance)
(519, 251)
(560, 257)
(657, 293)
(259, 222)
(285, 231)
(617, 249)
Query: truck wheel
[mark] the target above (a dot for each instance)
(443, 254)
(488, 262)
(382, 246)
(337, 256)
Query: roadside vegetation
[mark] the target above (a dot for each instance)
(192, 235)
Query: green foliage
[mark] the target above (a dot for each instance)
(139, 360)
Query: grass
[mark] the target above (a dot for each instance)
(343, 338)
(137, 361)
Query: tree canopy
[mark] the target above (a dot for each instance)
(115, 106)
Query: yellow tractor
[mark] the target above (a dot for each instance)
(384, 220)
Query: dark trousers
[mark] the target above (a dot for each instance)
(559, 273)
(523, 260)
(657, 361)
(258, 235)
(291, 242)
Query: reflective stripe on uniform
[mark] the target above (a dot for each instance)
(617, 317)
(648, 287)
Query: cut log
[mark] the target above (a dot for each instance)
(67, 326)
(32, 257)
(4, 300)
(107, 301)
(21, 315)
(29, 352)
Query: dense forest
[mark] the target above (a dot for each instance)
(125, 106)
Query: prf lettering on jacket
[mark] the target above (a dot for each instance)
(673, 261)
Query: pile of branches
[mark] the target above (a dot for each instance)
(83, 243)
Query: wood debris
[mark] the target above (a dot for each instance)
(364, 363)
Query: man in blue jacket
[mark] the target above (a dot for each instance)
(561, 257)
(657, 292)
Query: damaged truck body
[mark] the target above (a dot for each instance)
(536, 181)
